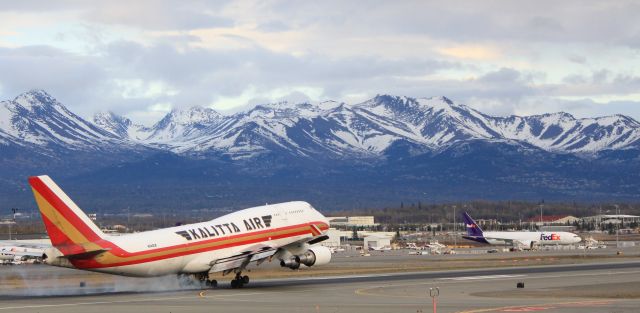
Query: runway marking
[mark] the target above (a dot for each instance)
(200, 294)
(585, 274)
(90, 303)
(541, 307)
(482, 277)
(362, 291)
(529, 309)
(368, 291)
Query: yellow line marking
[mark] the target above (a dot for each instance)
(439, 281)
(544, 305)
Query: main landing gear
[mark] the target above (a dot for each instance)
(211, 283)
(204, 280)
(239, 281)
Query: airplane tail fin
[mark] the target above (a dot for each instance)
(69, 228)
(473, 229)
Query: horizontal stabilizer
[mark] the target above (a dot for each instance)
(85, 255)
(318, 239)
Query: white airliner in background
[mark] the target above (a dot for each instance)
(18, 251)
(285, 231)
(524, 238)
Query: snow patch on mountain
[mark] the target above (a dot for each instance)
(325, 129)
(38, 119)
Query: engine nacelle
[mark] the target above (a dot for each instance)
(291, 263)
(54, 257)
(317, 255)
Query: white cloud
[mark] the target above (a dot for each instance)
(142, 58)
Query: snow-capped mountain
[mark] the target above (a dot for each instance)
(181, 125)
(121, 126)
(37, 119)
(378, 151)
(328, 129)
(561, 132)
(367, 129)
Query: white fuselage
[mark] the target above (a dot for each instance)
(526, 238)
(195, 248)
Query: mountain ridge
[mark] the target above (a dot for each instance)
(377, 152)
(364, 129)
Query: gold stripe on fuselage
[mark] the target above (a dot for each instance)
(109, 258)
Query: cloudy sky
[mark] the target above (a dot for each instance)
(143, 58)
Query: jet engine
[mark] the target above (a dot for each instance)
(318, 255)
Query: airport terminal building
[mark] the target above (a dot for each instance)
(351, 221)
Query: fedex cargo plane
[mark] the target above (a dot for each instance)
(525, 238)
(227, 244)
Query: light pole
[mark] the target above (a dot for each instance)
(541, 205)
(13, 220)
(600, 218)
(618, 225)
(455, 235)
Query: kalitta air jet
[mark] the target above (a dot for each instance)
(286, 232)
(524, 238)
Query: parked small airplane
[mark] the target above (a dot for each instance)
(524, 238)
(285, 231)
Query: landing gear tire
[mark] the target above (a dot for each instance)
(239, 281)
(236, 284)
(211, 283)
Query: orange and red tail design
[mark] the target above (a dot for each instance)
(70, 230)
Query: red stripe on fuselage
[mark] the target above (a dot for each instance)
(62, 208)
(116, 250)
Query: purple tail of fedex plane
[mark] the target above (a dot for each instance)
(473, 230)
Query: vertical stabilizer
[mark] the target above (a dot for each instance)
(70, 229)
(473, 230)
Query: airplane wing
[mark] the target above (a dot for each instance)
(506, 240)
(241, 260)
(511, 241)
(258, 254)
(524, 243)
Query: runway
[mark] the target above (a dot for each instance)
(603, 287)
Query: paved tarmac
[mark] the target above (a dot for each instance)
(604, 287)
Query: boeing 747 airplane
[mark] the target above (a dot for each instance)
(525, 238)
(286, 232)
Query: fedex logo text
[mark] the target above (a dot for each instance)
(549, 237)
